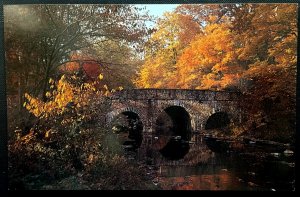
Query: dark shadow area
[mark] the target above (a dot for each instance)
(173, 132)
(175, 149)
(181, 122)
(217, 120)
(129, 128)
(135, 129)
(216, 145)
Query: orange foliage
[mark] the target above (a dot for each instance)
(92, 70)
(209, 62)
(90, 67)
(199, 47)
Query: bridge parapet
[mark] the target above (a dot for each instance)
(175, 94)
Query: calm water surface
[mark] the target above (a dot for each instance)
(206, 165)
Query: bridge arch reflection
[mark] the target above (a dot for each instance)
(128, 126)
(173, 132)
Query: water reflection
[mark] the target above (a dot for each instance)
(175, 149)
(222, 180)
(212, 165)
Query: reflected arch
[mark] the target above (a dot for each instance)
(128, 125)
(173, 132)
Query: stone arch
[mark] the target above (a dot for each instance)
(187, 107)
(172, 137)
(199, 111)
(111, 115)
(131, 133)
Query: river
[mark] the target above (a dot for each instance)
(208, 164)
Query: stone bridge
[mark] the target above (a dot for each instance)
(190, 111)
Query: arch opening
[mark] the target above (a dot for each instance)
(172, 133)
(217, 120)
(128, 127)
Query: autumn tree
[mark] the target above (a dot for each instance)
(243, 47)
(268, 47)
(209, 62)
(174, 32)
(204, 50)
(116, 60)
(205, 14)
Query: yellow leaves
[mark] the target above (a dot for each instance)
(87, 86)
(27, 138)
(33, 105)
(100, 76)
(47, 134)
(211, 28)
(48, 94)
(120, 88)
(263, 45)
(51, 81)
(28, 107)
(288, 51)
(60, 98)
(212, 18)
(27, 96)
(107, 93)
(193, 76)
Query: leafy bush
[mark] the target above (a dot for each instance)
(69, 138)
